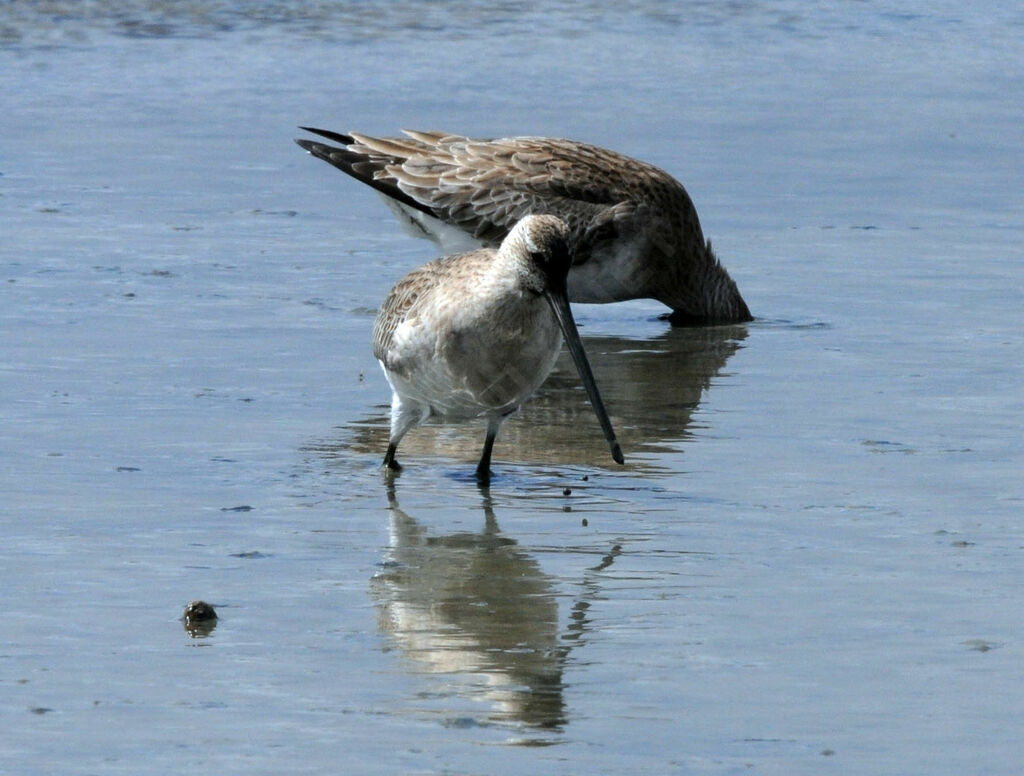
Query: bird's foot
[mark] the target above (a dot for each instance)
(389, 459)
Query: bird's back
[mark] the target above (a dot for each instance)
(486, 186)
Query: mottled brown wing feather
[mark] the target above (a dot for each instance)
(414, 290)
(486, 186)
(399, 302)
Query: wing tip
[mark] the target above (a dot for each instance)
(337, 137)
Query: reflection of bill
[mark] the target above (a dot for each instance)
(651, 386)
(478, 610)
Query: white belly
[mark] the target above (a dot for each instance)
(452, 239)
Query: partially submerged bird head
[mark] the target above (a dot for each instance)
(630, 250)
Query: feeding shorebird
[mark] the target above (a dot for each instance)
(475, 334)
(633, 229)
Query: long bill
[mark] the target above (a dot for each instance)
(560, 305)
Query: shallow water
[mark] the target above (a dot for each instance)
(812, 560)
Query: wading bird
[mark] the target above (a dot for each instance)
(634, 231)
(475, 334)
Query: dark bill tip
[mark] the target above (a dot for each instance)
(617, 453)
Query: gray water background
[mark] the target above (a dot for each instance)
(812, 562)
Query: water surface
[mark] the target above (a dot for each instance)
(812, 560)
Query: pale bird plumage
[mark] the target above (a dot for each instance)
(475, 334)
(633, 229)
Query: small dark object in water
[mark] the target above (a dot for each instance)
(199, 611)
(200, 619)
(584, 522)
(566, 491)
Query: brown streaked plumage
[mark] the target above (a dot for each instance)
(633, 228)
(475, 334)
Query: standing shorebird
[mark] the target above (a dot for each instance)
(633, 229)
(475, 334)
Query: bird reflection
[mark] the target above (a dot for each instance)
(479, 610)
(651, 388)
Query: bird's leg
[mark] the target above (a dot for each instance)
(389, 458)
(483, 469)
(404, 415)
